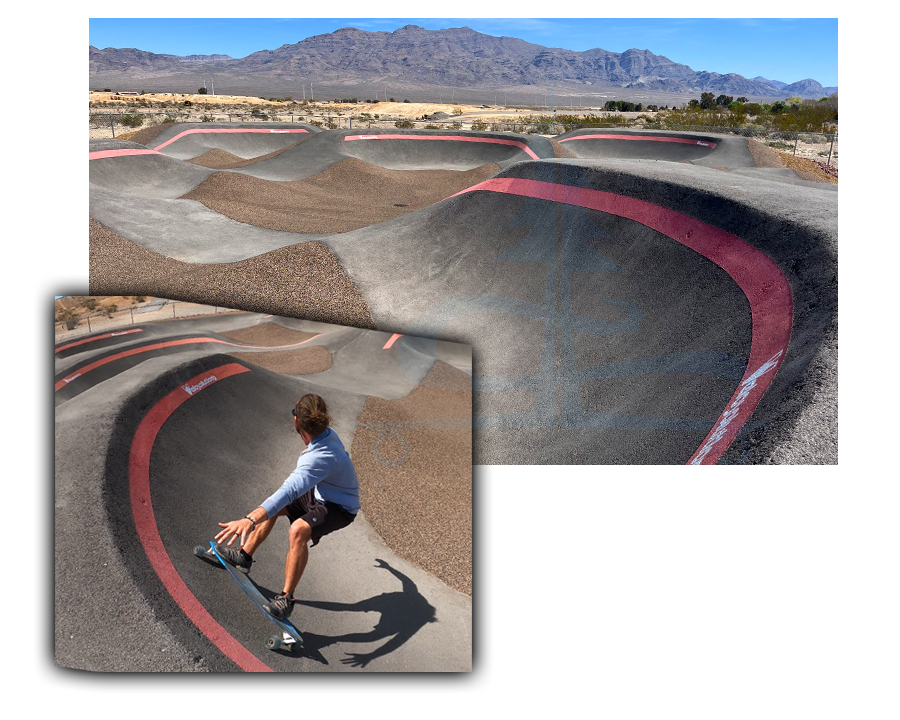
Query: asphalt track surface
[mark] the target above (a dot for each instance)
(165, 429)
(632, 297)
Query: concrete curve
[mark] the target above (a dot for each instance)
(246, 140)
(706, 149)
(156, 445)
(602, 333)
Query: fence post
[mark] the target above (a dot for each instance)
(131, 310)
(89, 323)
(796, 140)
(112, 126)
(830, 150)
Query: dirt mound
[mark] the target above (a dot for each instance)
(217, 159)
(268, 335)
(432, 524)
(303, 361)
(347, 196)
(303, 280)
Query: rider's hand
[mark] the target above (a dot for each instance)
(234, 529)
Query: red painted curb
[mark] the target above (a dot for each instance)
(145, 519)
(394, 338)
(686, 141)
(100, 154)
(157, 346)
(766, 288)
(97, 337)
(231, 130)
(458, 138)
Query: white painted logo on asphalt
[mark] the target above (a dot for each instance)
(191, 389)
(734, 407)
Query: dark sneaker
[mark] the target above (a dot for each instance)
(279, 606)
(234, 556)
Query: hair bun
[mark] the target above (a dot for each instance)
(312, 413)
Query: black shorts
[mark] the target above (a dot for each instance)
(323, 518)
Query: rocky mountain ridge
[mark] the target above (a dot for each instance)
(453, 57)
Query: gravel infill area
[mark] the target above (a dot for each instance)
(419, 500)
(347, 196)
(302, 361)
(766, 157)
(809, 169)
(303, 280)
(144, 135)
(560, 150)
(218, 159)
(268, 335)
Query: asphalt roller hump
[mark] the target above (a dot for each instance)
(655, 299)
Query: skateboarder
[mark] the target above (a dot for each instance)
(320, 496)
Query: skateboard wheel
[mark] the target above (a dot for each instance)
(273, 642)
(200, 551)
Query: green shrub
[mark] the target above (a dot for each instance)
(431, 126)
(404, 124)
(131, 120)
(479, 126)
(779, 145)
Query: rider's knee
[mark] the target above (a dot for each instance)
(300, 532)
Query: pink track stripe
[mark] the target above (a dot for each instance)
(459, 138)
(98, 337)
(394, 338)
(148, 531)
(231, 130)
(686, 141)
(100, 154)
(766, 288)
(157, 346)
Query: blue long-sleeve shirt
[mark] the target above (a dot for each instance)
(325, 466)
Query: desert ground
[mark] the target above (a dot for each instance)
(385, 114)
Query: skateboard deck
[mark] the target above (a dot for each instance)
(289, 636)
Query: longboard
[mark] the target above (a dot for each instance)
(289, 634)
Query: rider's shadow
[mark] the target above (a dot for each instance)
(403, 614)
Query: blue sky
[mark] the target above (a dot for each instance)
(778, 48)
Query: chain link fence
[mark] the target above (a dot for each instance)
(152, 310)
(821, 147)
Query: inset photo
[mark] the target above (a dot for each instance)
(237, 491)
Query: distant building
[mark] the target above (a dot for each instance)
(127, 94)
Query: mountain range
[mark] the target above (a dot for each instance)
(449, 58)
